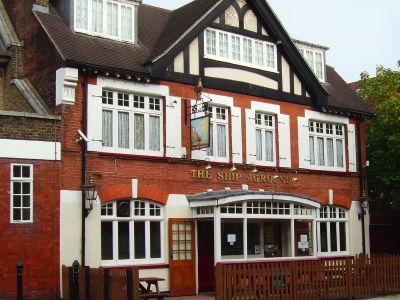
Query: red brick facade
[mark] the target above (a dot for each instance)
(35, 244)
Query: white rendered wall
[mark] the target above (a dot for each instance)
(355, 231)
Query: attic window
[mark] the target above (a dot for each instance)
(110, 19)
(232, 48)
(315, 60)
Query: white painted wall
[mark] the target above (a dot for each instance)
(285, 76)
(30, 149)
(355, 231)
(179, 63)
(242, 76)
(93, 237)
(194, 57)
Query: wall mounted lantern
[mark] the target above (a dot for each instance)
(90, 191)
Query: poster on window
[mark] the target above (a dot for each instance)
(200, 133)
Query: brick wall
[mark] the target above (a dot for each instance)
(43, 58)
(29, 128)
(35, 244)
(172, 175)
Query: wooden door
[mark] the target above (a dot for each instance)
(205, 253)
(182, 265)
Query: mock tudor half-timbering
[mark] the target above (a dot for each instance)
(282, 176)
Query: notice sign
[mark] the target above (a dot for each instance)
(231, 238)
(200, 133)
(303, 243)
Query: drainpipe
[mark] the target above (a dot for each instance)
(83, 170)
(361, 184)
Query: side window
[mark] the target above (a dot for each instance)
(132, 123)
(131, 232)
(326, 144)
(265, 137)
(21, 193)
(219, 143)
(332, 230)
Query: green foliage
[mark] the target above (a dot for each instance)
(382, 92)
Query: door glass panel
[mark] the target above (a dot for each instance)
(181, 241)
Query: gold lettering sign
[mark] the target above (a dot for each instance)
(235, 177)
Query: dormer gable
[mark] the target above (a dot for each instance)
(111, 19)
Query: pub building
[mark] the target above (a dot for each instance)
(209, 135)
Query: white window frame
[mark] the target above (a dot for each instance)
(328, 219)
(313, 62)
(103, 33)
(21, 180)
(131, 110)
(325, 135)
(215, 121)
(264, 128)
(132, 219)
(266, 61)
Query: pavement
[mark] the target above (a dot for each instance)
(211, 297)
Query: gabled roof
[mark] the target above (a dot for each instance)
(342, 97)
(163, 34)
(180, 23)
(101, 52)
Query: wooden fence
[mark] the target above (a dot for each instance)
(313, 279)
(84, 283)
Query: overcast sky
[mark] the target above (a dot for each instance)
(361, 34)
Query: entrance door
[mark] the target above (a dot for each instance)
(182, 264)
(205, 244)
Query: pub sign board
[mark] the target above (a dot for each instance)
(200, 133)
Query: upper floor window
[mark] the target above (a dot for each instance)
(241, 50)
(132, 122)
(315, 60)
(112, 19)
(265, 137)
(21, 193)
(332, 230)
(326, 144)
(219, 146)
(131, 232)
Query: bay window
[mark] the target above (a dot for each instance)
(219, 147)
(112, 19)
(233, 48)
(326, 145)
(132, 123)
(332, 230)
(131, 232)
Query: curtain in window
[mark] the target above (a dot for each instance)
(259, 52)
(270, 56)
(312, 150)
(339, 153)
(318, 65)
(223, 44)
(235, 47)
(154, 131)
(258, 144)
(97, 16)
(247, 50)
(321, 155)
(123, 130)
(310, 58)
(330, 154)
(126, 22)
(221, 139)
(107, 129)
(269, 146)
(210, 150)
(112, 19)
(211, 42)
(139, 132)
(82, 14)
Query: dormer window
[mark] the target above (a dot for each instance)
(315, 59)
(232, 48)
(111, 19)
